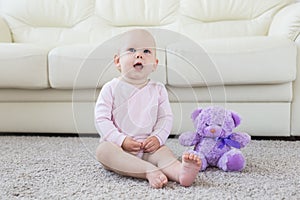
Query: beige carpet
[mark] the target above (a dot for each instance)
(64, 168)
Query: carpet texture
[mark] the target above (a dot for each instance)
(65, 168)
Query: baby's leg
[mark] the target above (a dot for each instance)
(113, 158)
(184, 172)
(191, 164)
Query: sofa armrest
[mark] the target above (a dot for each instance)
(5, 35)
(287, 22)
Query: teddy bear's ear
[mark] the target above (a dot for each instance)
(236, 118)
(196, 113)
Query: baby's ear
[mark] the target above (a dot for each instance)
(155, 65)
(117, 62)
(196, 113)
(236, 118)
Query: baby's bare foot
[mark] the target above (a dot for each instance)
(156, 179)
(190, 167)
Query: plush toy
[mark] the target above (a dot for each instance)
(214, 140)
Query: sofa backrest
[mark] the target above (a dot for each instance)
(90, 21)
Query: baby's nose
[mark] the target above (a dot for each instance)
(138, 55)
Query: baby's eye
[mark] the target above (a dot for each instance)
(206, 124)
(132, 50)
(147, 51)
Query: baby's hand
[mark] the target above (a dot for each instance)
(131, 146)
(151, 144)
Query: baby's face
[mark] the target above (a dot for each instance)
(137, 57)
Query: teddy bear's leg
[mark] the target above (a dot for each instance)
(232, 160)
(204, 162)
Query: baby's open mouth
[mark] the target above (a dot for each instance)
(138, 66)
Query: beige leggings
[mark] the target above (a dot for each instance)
(114, 158)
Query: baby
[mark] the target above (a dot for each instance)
(134, 119)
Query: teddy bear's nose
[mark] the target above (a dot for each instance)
(212, 130)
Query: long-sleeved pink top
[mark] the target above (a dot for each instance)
(123, 110)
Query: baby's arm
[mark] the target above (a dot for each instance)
(164, 122)
(103, 117)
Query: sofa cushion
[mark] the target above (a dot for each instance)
(252, 60)
(5, 35)
(67, 63)
(50, 22)
(286, 23)
(212, 19)
(137, 12)
(23, 66)
(48, 13)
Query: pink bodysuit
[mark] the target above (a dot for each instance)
(124, 110)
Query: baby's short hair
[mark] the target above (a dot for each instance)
(138, 33)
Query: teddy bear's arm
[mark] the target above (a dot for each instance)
(242, 138)
(187, 138)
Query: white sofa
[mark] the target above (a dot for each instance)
(56, 55)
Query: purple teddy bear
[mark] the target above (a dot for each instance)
(214, 140)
